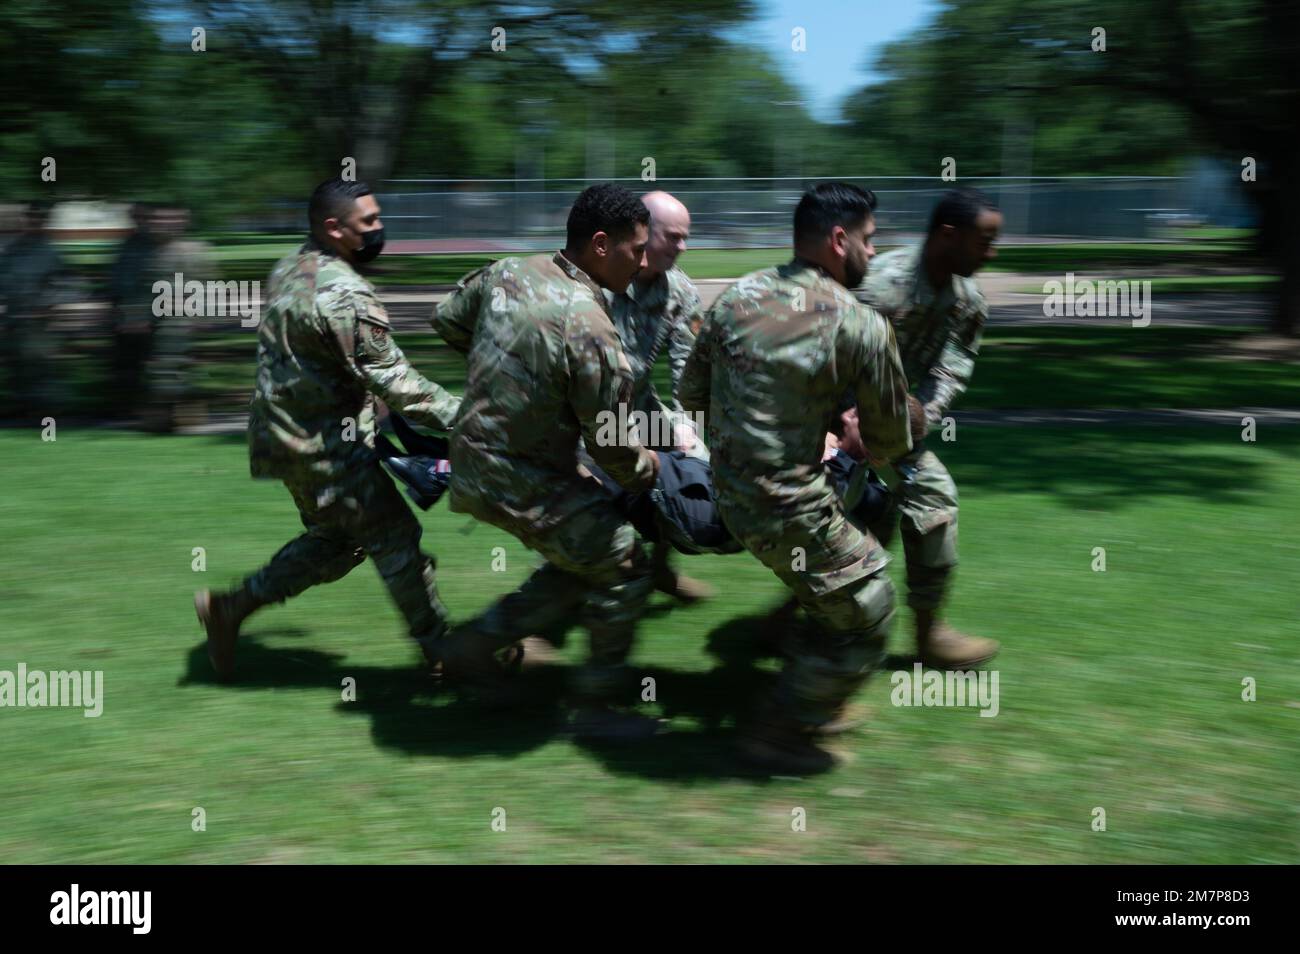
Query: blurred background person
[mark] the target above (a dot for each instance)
(168, 396)
(132, 327)
(31, 273)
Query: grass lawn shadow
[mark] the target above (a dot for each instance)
(409, 710)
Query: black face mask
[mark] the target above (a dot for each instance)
(372, 243)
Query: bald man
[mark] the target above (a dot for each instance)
(659, 309)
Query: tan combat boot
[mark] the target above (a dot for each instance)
(942, 647)
(471, 663)
(532, 652)
(782, 746)
(671, 583)
(684, 588)
(221, 615)
(847, 718)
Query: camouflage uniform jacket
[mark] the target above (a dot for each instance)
(324, 351)
(938, 332)
(777, 352)
(544, 362)
(667, 312)
(31, 272)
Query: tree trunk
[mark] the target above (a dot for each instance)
(1286, 319)
(1285, 243)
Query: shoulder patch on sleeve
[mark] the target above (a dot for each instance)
(373, 341)
(466, 279)
(372, 311)
(374, 333)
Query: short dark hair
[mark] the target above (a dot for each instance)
(607, 208)
(828, 204)
(958, 208)
(333, 199)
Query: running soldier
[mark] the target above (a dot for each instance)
(777, 352)
(325, 352)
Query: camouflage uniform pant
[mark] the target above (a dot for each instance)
(828, 668)
(925, 505)
(169, 366)
(837, 574)
(126, 376)
(363, 515)
(33, 387)
(596, 572)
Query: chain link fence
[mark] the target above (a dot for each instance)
(476, 214)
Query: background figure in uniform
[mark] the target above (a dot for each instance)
(131, 315)
(769, 369)
(660, 309)
(325, 350)
(31, 274)
(169, 368)
(544, 361)
(938, 314)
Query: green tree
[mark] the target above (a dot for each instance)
(357, 73)
(1175, 78)
(71, 91)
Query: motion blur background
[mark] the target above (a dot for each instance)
(731, 102)
(1148, 140)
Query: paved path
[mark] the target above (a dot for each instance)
(1107, 416)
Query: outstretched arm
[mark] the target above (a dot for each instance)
(373, 358)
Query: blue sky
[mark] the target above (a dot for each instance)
(842, 37)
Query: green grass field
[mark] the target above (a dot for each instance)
(1044, 367)
(1019, 367)
(1119, 690)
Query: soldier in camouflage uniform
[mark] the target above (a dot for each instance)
(131, 330)
(769, 369)
(661, 308)
(31, 275)
(168, 368)
(544, 360)
(325, 352)
(938, 314)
